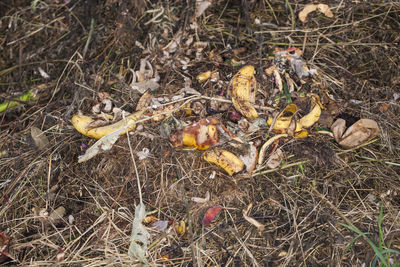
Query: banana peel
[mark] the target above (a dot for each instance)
(201, 135)
(82, 124)
(313, 116)
(284, 118)
(284, 121)
(244, 91)
(224, 159)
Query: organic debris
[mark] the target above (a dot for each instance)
(211, 214)
(39, 137)
(234, 102)
(357, 134)
(323, 8)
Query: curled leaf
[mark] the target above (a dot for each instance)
(39, 137)
(200, 199)
(210, 215)
(324, 8)
(275, 159)
(251, 220)
(360, 132)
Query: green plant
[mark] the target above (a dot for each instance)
(381, 251)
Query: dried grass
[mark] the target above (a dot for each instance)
(301, 205)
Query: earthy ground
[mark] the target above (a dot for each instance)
(311, 206)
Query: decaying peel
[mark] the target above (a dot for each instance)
(201, 135)
(224, 159)
(313, 116)
(81, 123)
(244, 91)
(284, 121)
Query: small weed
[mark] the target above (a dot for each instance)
(381, 251)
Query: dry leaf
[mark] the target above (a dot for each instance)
(251, 220)
(250, 158)
(201, 6)
(160, 225)
(338, 128)
(201, 200)
(140, 236)
(39, 138)
(43, 73)
(360, 132)
(384, 107)
(210, 215)
(144, 154)
(57, 214)
(324, 8)
(275, 159)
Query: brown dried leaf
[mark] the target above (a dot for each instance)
(338, 128)
(40, 139)
(250, 159)
(144, 101)
(357, 134)
(251, 220)
(200, 199)
(275, 159)
(324, 8)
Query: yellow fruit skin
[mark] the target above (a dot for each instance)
(224, 159)
(242, 84)
(80, 123)
(312, 117)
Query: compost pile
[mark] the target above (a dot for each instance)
(199, 133)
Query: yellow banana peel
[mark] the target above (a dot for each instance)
(312, 117)
(284, 118)
(81, 123)
(224, 159)
(243, 91)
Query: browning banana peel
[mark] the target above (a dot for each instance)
(81, 123)
(312, 117)
(224, 159)
(243, 91)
